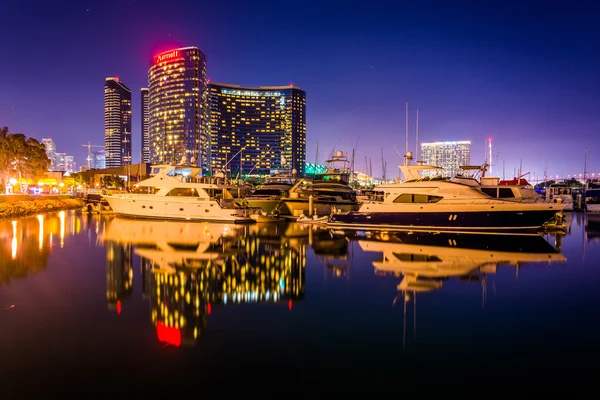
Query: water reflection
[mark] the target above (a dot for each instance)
(592, 226)
(190, 267)
(424, 261)
(22, 249)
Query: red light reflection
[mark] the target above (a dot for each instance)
(168, 335)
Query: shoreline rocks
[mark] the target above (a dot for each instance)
(23, 206)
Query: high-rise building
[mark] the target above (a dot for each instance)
(70, 165)
(256, 130)
(60, 161)
(98, 160)
(176, 106)
(447, 155)
(117, 123)
(50, 152)
(145, 144)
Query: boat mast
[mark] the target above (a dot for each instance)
(585, 170)
(417, 137)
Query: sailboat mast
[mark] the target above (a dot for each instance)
(585, 170)
(417, 137)
(382, 166)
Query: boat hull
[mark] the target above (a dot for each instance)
(297, 207)
(175, 208)
(455, 221)
(268, 205)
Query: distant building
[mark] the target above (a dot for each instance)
(50, 152)
(257, 130)
(98, 160)
(60, 162)
(447, 155)
(176, 107)
(70, 165)
(145, 140)
(117, 122)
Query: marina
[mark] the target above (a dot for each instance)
(202, 198)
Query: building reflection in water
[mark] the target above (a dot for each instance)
(119, 274)
(423, 261)
(189, 268)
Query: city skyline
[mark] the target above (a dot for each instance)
(524, 76)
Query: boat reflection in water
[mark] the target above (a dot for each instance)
(425, 260)
(190, 268)
(592, 226)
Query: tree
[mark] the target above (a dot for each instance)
(112, 181)
(21, 156)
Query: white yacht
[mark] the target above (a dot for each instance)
(179, 192)
(592, 197)
(560, 193)
(443, 204)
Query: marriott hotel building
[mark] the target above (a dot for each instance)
(176, 107)
(256, 130)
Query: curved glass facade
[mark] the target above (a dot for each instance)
(176, 95)
(256, 130)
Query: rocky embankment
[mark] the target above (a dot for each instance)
(15, 206)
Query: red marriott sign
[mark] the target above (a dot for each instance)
(169, 55)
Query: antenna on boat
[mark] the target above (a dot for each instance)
(333, 150)
(353, 154)
(491, 160)
(406, 127)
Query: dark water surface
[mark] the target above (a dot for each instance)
(126, 306)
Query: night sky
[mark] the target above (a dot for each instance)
(528, 76)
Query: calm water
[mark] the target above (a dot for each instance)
(105, 301)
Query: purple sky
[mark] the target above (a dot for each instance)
(528, 76)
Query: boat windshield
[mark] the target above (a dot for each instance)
(335, 177)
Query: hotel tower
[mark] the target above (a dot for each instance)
(447, 155)
(256, 130)
(117, 123)
(176, 98)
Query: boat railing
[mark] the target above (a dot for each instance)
(381, 199)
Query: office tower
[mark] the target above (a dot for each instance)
(117, 123)
(447, 155)
(145, 147)
(50, 152)
(60, 162)
(176, 105)
(98, 160)
(256, 130)
(70, 163)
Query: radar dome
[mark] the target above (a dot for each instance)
(409, 154)
(340, 153)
